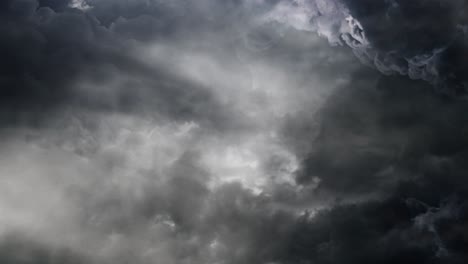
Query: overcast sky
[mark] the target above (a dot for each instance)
(233, 131)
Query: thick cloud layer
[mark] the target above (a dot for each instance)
(153, 131)
(404, 149)
(423, 39)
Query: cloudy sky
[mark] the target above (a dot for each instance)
(233, 131)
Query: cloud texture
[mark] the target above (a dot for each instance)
(234, 132)
(422, 39)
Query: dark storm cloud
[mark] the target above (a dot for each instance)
(56, 5)
(422, 39)
(57, 59)
(131, 166)
(386, 126)
(48, 48)
(393, 154)
(38, 45)
(42, 54)
(379, 232)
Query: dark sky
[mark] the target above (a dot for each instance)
(233, 132)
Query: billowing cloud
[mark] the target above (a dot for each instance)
(419, 39)
(153, 131)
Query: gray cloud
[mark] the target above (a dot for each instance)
(226, 132)
(400, 151)
(419, 39)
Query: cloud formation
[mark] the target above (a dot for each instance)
(232, 132)
(419, 39)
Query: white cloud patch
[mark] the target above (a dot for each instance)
(80, 4)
